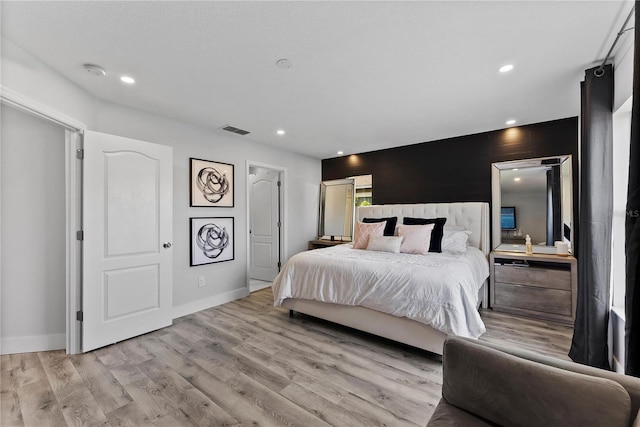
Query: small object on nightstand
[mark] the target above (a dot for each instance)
(562, 248)
(527, 242)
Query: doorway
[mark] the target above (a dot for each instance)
(54, 326)
(265, 201)
(33, 233)
(68, 220)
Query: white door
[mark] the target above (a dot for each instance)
(127, 224)
(264, 224)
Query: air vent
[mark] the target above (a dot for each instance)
(235, 130)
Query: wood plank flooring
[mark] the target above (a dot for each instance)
(244, 363)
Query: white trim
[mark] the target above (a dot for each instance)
(283, 213)
(71, 339)
(16, 100)
(73, 181)
(617, 339)
(212, 301)
(11, 345)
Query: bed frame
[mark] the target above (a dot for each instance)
(472, 216)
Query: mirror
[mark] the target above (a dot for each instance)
(337, 209)
(534, 197)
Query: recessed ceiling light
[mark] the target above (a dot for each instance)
(128, 80)
(340, 153)
(505, 68)
(511, 122)
(280, 132)
(516, 179)
(514, 169)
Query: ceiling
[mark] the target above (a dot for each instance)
(524, 180)
(364, 75)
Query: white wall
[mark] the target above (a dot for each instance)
(301, 190)
(32, 287)
(26, 75)
(531, 213)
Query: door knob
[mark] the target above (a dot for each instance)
(166, 245)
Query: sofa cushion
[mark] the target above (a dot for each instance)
(449, 415)
(508, 390)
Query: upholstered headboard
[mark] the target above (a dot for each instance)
(472, 216)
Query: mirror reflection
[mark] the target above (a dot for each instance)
(532, 197)
(337, 209)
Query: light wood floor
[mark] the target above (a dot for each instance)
(244, 363)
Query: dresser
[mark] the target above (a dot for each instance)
(541, 286)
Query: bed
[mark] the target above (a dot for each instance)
(352, 287)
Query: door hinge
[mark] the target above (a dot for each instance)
(79, 316)
(279, 264)
(279, 224)
(80, 154)
(279, 183)
(79, 235)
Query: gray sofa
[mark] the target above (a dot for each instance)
(486, 384)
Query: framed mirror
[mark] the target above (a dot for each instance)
(337, 209)
(532, 197)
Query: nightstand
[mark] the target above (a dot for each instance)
(321, 243)
(542, 286)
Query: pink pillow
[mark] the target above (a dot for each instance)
(416, 238)
(363, 230)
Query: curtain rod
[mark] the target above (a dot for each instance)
(599, 72)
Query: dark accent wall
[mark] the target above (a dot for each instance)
(456, 169)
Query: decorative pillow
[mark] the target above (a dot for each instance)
(455, 241)
(415, 238)
(438, 230)
(384, 243)
(361, 236)
(390, 229)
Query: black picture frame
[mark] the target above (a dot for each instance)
(212, 240)
(508, 218)
(211, 183)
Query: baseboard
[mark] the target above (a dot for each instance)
(212, 301)
(29, 344)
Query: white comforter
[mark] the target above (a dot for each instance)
(438, 289)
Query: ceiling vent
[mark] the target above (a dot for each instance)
(234, 130)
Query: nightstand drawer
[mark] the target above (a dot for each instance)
(553, 278)
(540, 299)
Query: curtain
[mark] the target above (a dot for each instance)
(632, 225)
(589, 344)
(554, 202)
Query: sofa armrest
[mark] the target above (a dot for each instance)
(509, 390)
(631, 384)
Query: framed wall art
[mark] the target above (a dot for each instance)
(212, 240)
(211, 183)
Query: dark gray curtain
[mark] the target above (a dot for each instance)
(632, 225)
(554, 209)
(589, 344)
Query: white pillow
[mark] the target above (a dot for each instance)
(455, 241)
(384, 243)
(416, 239)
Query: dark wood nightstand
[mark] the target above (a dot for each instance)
(321, 243)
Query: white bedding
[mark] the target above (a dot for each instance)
(438, 289)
